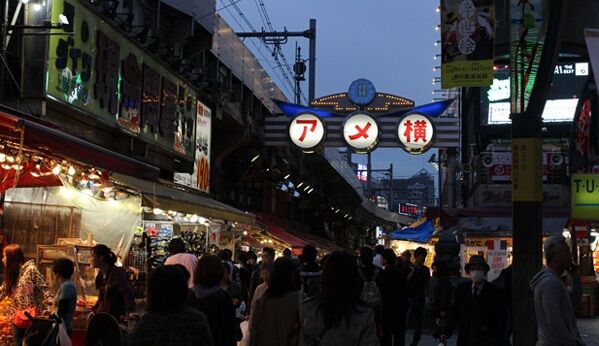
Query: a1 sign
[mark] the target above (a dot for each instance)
(361, 132)
(415, 132)
(307, 132)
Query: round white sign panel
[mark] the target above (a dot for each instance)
(416, 133)
(307, 131)
(361, 132)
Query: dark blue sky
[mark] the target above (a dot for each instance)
(390, 42)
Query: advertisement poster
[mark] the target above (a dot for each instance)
(497, 258)
(200, 179)
(528, 35)
(467, 40)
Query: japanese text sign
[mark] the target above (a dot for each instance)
(467, 39)
(585, 197)
(415, 133)
(307, 132)
(361, 132)
(102, 72)
(527, 181)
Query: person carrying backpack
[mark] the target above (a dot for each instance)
(371, 293)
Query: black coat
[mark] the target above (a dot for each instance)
(393, 286)
(479, 321)
(218, 308)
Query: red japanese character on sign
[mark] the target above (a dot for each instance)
(408, 132)
(420, 130)
(312, 123)
(416, 133)
(362, 132)
(306, 131)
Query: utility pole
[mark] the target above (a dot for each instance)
(280, 37)
(299, 68)
(527, 206)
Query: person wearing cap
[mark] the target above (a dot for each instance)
(478, 310)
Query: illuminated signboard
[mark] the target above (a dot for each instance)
(568, 79)
(104, 73)
(361, 132)
(307, 132)
(408, 209)
(585, 197)
(415, 133)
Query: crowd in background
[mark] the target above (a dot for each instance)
(339, 299)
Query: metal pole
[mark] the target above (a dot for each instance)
(527, 210)
(368, 174)
(298, 90)
(391, 203)
(4, 47)
(312, 77)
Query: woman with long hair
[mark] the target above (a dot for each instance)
(114, 294)
(24, 286)
(276, 318)
(337, 316)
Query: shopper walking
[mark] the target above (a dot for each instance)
(248, 260)
(337, 316)
(226, 256)
(310, 272)
(168, 321)
(371, 293)
(65, 300)
(276, 318)
(208, 297)
(393, 286)
(114, 294)
(176, 247)
(25, 288)
(478, 309)
(418, 278)
(268, 257)
(553, 307)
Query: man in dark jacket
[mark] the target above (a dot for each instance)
(268, 257)
(478, 309)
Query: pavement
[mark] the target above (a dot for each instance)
(588, 327)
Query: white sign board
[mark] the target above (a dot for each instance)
(361, 132)
(200, 179)
(307, 132)
(415, 132)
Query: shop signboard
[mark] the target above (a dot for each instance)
(361, 132)
(415, 133)
(585, 197)
(496, 257)
(307, 132)
(467, 40)
(200, 178)
(104, 73)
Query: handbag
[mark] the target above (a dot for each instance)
(21, 320)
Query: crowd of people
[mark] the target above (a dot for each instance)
(339, 299)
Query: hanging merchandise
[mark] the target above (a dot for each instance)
(467, 39)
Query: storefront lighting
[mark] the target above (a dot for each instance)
(594, 233)
(245, 232)
(24, 1)
(158, 211)
(88, 192)
(270, 241)
(346, 216)
(566, 233)
(201, 219)
(306, 188)
(6, 166)
(255, 158)
(310, 191)
(37, 7)
(71, 170)
(2, 157)
(287, 176)
(10, 159)
(336, 211)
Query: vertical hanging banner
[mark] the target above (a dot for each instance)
(527, 182)
(467, 39)
(527, 35)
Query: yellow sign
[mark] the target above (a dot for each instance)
(585, 196)
(527, 179)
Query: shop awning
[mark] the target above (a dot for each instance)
(321, 242)
(502, 226)
(285, 236)
(170, 197)
(48, 138)
(420, 233)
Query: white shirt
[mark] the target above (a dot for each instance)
(378, 261)
(189, 261)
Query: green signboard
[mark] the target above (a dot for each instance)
(585, 197)
(103, 72)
